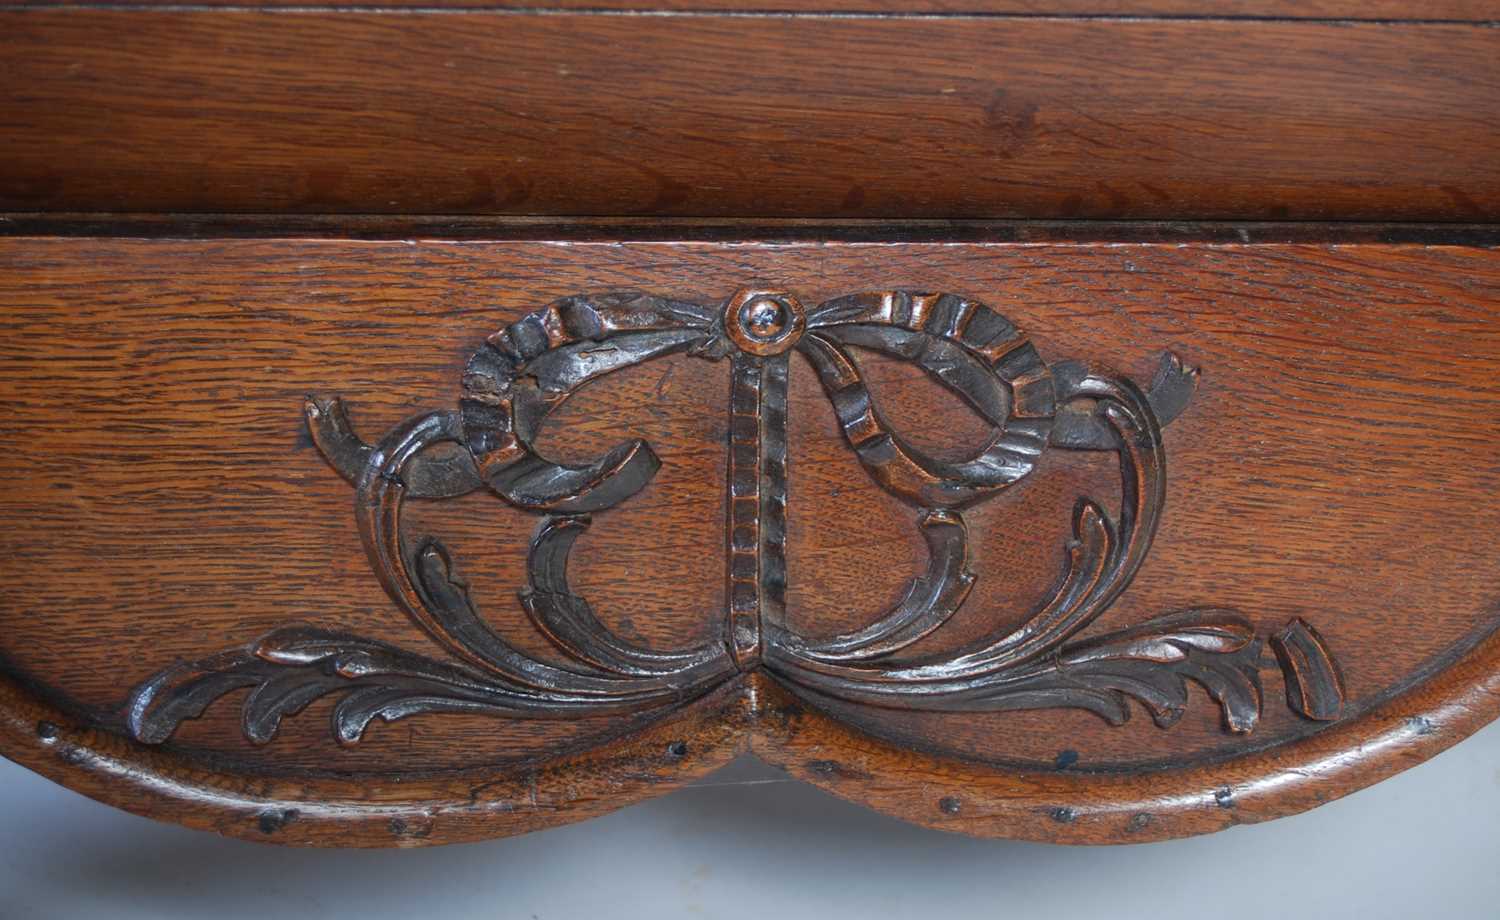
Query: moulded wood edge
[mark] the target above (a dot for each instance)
(756, 715)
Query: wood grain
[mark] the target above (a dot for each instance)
(1384, 10)
(489, 112)
(165, 503)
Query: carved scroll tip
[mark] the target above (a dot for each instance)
(259, 730)
(580, 521)
(136, 706)
(1172, 387)
(347, 736)
(1173, 365)
(940, 517)
(1174, 384)
(1168, 716)
(1242, 721)
(1314, 687)
(434, 558)
(318, 407)
(1087, 516)
(334, 437)
(1114, 709)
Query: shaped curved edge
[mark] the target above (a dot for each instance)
(1395, 731)
(369, 810)
(1391, 734)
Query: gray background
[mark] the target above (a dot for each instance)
(749, 843)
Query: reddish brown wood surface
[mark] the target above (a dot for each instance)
(1335, 465)
(1405, 10)
(865, 116)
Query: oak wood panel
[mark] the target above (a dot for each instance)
(489, 112)
(512, 228)
(165, 503)
(1407, 10)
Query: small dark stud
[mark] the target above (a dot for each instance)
(272, 821)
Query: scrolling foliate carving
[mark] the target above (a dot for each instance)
(523, 373)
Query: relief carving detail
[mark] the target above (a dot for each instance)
(527, 370)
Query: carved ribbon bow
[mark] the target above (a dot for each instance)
(523, 373)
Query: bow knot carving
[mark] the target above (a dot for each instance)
(520, 375)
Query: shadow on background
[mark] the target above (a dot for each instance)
(748, 842)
